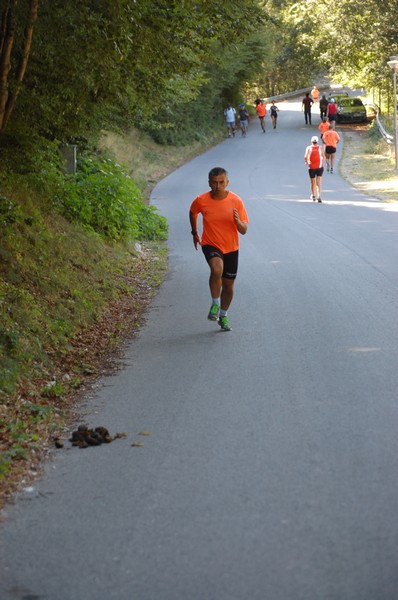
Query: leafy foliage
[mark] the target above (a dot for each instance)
(103, 198)
(54, 279)
(156, 65)
(125, 62)
(350, 41)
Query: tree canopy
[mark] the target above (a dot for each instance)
(94, 63)
(71, 69)
(349, 40)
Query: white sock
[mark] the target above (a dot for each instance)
(215, 300)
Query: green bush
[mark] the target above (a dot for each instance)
(103, 198)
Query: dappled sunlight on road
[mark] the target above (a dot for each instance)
(387, 206)
(363, 349)
(371, 203)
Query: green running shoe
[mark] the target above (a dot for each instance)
(214, 312)
(224, 324)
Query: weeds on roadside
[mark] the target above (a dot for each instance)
(66, 252)
(49, 357)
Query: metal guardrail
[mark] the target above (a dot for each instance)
(386, 136)
(301, 92)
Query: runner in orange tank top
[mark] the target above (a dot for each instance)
(314, 157)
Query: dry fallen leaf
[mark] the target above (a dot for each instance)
(119, 436)
(137, 444)
(145, 433)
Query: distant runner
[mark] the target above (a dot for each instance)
(330, 138)
(261, 112)
(323, 126)
(331, 111)
(323, 106)
(314, 157)
(243, 119)
(315, 93)
(274, 114)
(307, 104)
(230, 118)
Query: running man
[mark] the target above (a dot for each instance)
(306, 105)
(314, 157)
(315, 93)
(224, 217)
(243, 119)
(261, 112)
(230, 118)
(323, 106)
(323, 126)
(331, 111)
(274, 114)
(330, 138)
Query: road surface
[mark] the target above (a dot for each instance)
(271, 471)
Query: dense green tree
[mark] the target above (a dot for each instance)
(350, 40)
(231, 75)
(10, 86)
(97, 62)
(291, 64)
(70, 69)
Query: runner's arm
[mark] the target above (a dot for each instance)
(194, 230)
(240, 225)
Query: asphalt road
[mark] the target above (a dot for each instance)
(271, 471)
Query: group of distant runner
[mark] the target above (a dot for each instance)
(241, 117)
(223, 213)
(327, 108)
(316, 155)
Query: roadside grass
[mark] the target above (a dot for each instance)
(368, 163)
(68, 300)
(68, 303)
(148, 162)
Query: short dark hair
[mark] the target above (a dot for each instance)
(216, 171)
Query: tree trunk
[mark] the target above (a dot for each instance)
(3, 26)
(6, 44)
(12, 96)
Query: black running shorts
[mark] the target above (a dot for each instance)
(315, 172)
(230, 260)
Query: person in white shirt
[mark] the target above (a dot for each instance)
(230, 118)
